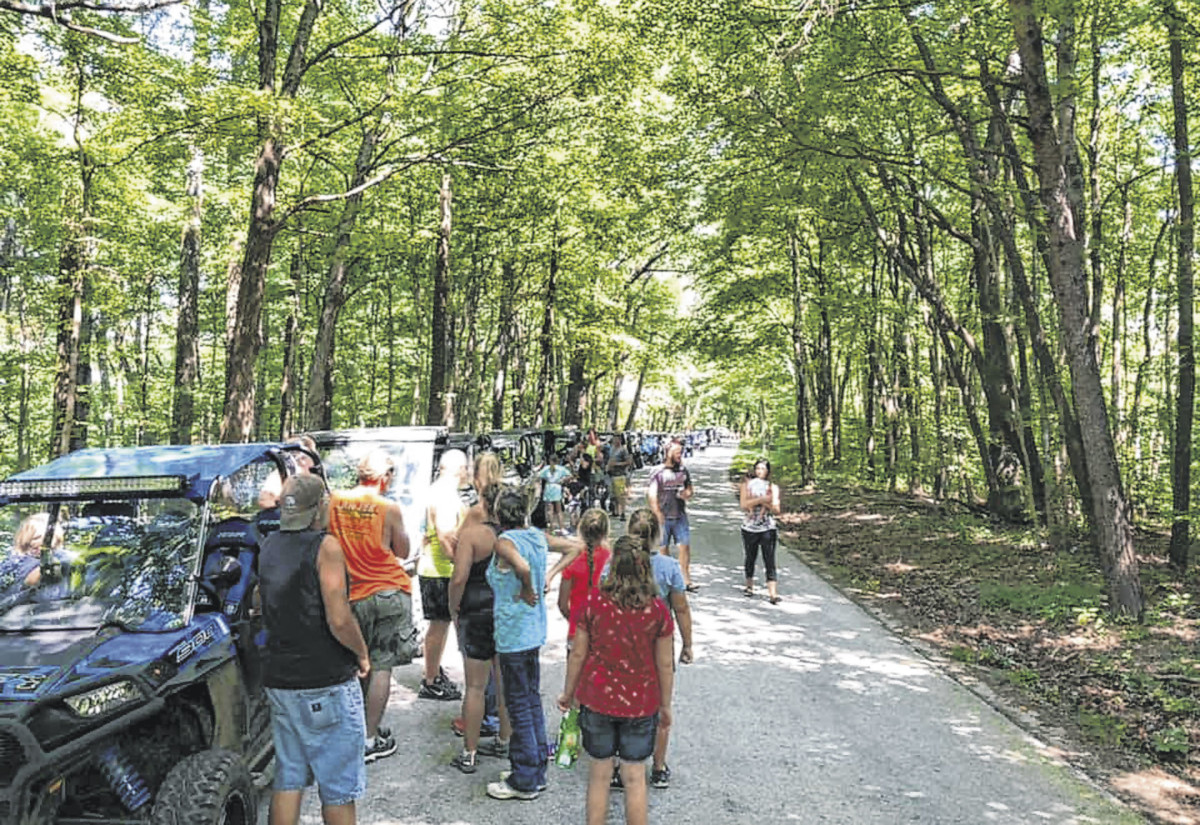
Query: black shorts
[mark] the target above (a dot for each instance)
(435, 599)
(604, 736)
(476, 635)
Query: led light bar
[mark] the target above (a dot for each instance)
(72, 487)
(103, 699)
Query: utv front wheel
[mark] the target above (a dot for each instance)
(212, 787)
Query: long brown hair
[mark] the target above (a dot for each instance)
(630, 580)
(593, 529)
(643, 525)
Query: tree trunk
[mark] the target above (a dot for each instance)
(1185, 400)
(576, 387)
(637, 393)
(439, 320)
(238, 421)
(318, 406)
(804, 458)
(1061, 198)
(291, 347)
(500, 381)
(546, 339)
(187, 329)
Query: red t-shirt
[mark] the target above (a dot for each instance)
(619, 676)
(577, 574)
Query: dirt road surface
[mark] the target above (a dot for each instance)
(808, 711)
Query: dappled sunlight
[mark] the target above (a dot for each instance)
(1170, 798)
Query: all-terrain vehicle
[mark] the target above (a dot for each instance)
(130, 675)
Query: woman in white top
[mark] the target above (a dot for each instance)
(760, 504)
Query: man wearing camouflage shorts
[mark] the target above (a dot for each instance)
(370, 528)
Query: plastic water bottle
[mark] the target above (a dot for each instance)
(567, 751)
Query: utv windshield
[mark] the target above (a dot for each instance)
(128, 561)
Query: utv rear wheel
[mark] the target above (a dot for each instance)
(212, 787)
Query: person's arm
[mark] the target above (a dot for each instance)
(570, 548)
(507, 551)
(663, 655)
(464, 556)
(745, 501)
(393, 522)
(688, 490)
(773, 499)
(564, 598)
(331, 571)
(579, 652)
(446, 525)
(683, 618)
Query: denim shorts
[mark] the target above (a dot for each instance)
(320, 734)
(604, 736)
(678, 528)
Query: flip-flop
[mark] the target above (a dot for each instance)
(775, 599)
(693, 588)
(746, 591)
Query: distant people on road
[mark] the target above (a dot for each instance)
(314, 660)
(517, 575)
(443, 517)
(643, 525)
(669, 490)
(370, 528)
(621, 672)
(759, 498)
(552, 477)
(620, 463)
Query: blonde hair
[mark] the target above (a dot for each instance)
(643, 525)
(488, 470)
(32, 532)
(630, 581)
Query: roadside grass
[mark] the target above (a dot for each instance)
(1027, 613)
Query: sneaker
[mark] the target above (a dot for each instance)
(661, 777)
(503, 790)
(464, 761)
(504, 775)
(616, 784)
(379, 748)
(383, 732)
(433, 690)
(460, 728)
(494, 747)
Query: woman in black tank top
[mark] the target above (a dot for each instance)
(471, 602)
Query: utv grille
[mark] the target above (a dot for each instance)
(12, 757)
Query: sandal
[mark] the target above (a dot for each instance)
(747, 591)
(775, 600)
(693, 588)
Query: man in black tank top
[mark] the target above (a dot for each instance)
(314, 658)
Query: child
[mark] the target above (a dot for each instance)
(668, 576)
(553, 474)
(621, 672)
(583, 574)
(517, 576)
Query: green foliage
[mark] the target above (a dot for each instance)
(1073, 601)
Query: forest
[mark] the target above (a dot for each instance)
(937, 246)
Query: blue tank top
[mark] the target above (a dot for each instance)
(520, 627)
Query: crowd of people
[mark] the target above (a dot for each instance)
(337, 604)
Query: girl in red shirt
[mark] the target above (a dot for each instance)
(583, 574)
(621, 671)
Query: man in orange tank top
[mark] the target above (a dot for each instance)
(370, 528)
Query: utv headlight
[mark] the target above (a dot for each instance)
(101, 700)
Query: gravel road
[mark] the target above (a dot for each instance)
(808, 711)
